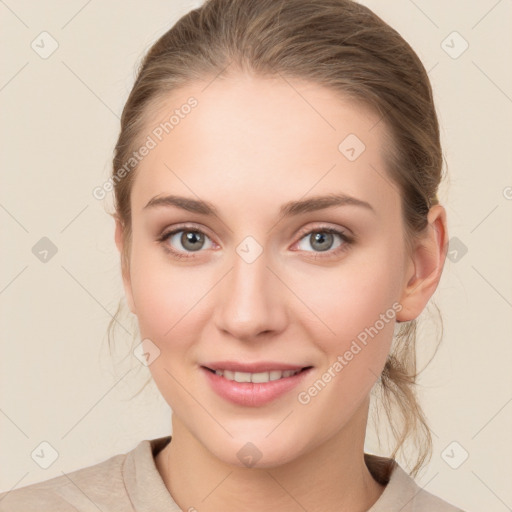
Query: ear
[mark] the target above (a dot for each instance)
(425, 266)
(125, 270)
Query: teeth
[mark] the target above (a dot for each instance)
(242, 377)
(258, 378)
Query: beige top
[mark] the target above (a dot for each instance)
(131, 482)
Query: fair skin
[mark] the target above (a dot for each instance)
(250, 146)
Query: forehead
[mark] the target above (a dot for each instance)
(249, 138)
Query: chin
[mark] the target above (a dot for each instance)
(256, 450)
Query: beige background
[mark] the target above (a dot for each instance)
(58, 382)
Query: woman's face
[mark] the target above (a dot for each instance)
(273, 281)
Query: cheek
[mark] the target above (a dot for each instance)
(357, 305)
(170, 313)
(361, 313)
(352, 297)
(160, 293)
(171, 301)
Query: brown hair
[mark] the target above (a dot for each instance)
(341, 45)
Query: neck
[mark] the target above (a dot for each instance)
(331, 477)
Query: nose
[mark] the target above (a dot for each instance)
(251, 301)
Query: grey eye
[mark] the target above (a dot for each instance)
(320, 241)
(190, 240)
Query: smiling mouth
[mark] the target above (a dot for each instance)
(259, 377)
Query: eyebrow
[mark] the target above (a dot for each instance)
(287, 210)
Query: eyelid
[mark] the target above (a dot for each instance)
(325, 228)
(185, 227)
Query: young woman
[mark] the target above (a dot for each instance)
(275, 185)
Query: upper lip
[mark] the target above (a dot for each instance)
(255, 367)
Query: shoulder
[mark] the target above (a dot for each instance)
(401, 491)
(85, 489)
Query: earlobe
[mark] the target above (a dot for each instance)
(426, 266)
(125, 269)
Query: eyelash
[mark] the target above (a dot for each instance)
(346, 239)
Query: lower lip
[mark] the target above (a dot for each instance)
(251, 394)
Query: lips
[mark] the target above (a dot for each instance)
(253, 384)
